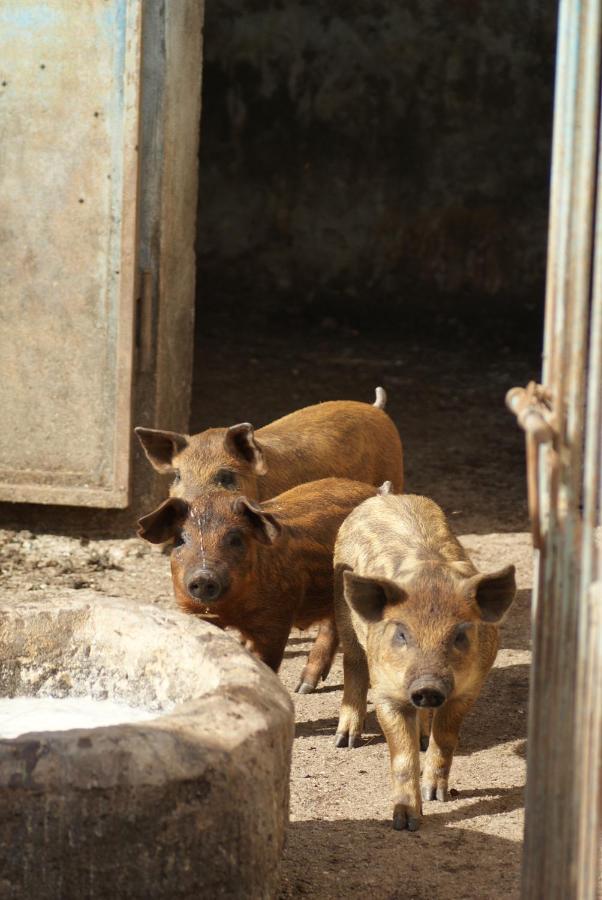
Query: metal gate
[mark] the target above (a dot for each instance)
(562, 419)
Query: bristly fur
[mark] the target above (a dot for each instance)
(413, 615)
(340, 439)
(273, 586)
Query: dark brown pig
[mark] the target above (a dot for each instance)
(342, 438)
(261, 568)
(420, 624)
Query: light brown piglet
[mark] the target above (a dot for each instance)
(261, 568)
(420, 624)
(341, 438)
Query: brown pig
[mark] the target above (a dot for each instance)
(261, 568)
(420, 624)
(341, 438)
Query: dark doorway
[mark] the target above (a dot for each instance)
(373, 210)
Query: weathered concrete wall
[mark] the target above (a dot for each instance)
(69, 92)
(374, 147)
(159, 352)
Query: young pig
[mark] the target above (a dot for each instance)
(262, 568)
(419, 623)
(342, 438)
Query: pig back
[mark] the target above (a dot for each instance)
(338, 439)
(318, 507)
(310, 516)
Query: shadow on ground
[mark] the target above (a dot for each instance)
(488, 724)
(441, 861)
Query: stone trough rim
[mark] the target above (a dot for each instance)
(175, 729)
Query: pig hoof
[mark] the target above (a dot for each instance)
(435, 792)
(341, 739)
(344, 739)
(402, 820)
(304, 687)
(424, 742)
(399, 822)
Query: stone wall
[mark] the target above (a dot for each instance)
(387, 148)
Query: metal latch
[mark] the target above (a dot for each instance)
(532, 407)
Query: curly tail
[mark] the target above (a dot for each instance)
(381, 398)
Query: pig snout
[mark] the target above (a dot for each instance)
(204, 585)
(429, 691)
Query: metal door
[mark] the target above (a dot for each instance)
(69, 102)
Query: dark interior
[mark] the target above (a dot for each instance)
(373, 210)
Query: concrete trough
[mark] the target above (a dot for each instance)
(191, 803)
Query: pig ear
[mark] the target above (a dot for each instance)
(240, 441)
(161, 446)
(266, 528)
(493, 593)
(164, 522)
(385, 488)
(369, 596)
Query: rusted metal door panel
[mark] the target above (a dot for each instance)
(563, 423)
(69, 100)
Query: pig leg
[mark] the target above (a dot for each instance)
(320, 657)
(356, 681)
(269, 645)
(401, 730)
(425, 717)
(444, 738)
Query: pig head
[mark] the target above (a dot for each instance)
(432, 638)
(214, 546)
(229, 458)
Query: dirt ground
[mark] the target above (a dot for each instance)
(446, 388)
(446, 379)
(340, 841)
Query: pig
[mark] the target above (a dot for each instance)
(420, 625)
(338, 438)
(341, 438)
(261, 568)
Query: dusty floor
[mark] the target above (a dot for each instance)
(340, 841)
(446, 380)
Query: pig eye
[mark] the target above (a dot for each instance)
(226, 478)
(234, 539)
(461, 641)
(176, 476)
(399, 637)
(178, 540)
